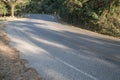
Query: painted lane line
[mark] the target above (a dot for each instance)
(92, 77)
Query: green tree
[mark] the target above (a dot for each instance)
(52, 6)
(13, 4)
(3, 9)
(34, 6)
(98, 15)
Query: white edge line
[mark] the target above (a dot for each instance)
(94, 78)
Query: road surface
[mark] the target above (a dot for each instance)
(62, 52)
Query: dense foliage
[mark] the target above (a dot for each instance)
(3, 9)
(98, 15)
(33, 7)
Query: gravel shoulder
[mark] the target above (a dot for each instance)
(11, 66)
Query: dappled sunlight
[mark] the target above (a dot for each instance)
(53, 50)
(40, 39)
(61, 40)
(5, 49)
(50, 43)
(25, 46)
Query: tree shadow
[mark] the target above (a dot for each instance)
(100, 47)
(44, 17)
(65, 44)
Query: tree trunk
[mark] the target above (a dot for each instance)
(12, 10)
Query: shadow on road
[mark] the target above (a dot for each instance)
(99, 49)
(43, 17)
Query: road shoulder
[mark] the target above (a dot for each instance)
(11, 66)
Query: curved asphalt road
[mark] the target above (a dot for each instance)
(61, 52)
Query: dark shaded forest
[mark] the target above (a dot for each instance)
(101, 16)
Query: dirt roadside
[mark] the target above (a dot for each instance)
(11, 66)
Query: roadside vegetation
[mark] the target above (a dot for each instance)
(101, 16)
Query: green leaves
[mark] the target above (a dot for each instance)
(96, 13)
(3, 9)
(13, 5)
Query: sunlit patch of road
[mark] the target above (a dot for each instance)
(61, 52)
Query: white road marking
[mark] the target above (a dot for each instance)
(71, 66)
(92, 77)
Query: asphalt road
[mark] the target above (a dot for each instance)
(62, 52)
